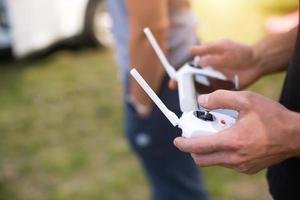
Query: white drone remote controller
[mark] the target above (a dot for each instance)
(186, 76)
(194, 123)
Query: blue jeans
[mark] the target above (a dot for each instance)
(173, 175)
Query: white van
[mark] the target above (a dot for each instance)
(29, 26)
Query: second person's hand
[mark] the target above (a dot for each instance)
(231, 58)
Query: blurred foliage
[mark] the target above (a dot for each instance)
(280, 6)
(61, 118)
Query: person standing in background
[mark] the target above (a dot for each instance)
(172, 174)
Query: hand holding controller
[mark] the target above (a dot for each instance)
(193, 123)
(187, 75)
(190, 74)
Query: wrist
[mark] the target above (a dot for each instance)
(257, 60)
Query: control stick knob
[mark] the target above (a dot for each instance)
(204, 115)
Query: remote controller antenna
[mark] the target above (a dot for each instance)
(168, 67)
(172, 117)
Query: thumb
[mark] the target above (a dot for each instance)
(224, 99)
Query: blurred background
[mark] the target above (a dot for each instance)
(60, 98)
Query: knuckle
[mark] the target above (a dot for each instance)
(229, 146)
(238, 163)
(215, 96)
(218, 93)
(242, 169)
(247, 95)
(232, 161)
(231, 143)
(236, 144)
(250, 172)
(243, 166)
(229, 162)
(246, 98)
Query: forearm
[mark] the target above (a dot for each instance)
(142, 55)
(144, 59)
(274, 52)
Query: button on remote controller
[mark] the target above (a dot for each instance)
(204, 115)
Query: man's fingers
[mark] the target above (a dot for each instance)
(211, 48)
(223, 158)
(239, 101)
(207, 144)
(173, 84)
(211, 60)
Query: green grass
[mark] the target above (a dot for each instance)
(61, 121)
(61, 130)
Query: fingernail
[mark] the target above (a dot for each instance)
(203, 99)
(175, 141)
